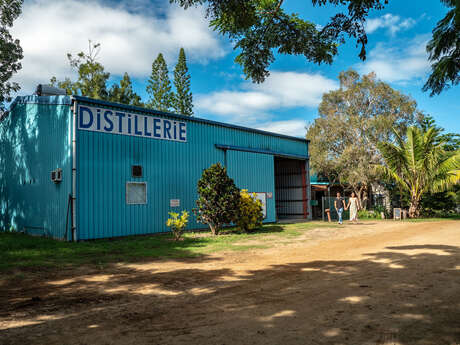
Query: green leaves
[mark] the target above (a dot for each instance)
(10, 50)
(444, 51)
(218, 199)
(183, 100)
(124, 93)
(261, 27)
(92, 78)
(159, 86)
(420, 164)
(352, 121)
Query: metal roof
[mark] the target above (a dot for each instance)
(67, 100)
(183, 117)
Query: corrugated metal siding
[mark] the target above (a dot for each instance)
(254, 172)
(171, 170)
(34, 140)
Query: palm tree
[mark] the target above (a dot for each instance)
(420, 164)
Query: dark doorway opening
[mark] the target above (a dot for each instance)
(290, 188)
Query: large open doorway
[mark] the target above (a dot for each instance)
(291, 188)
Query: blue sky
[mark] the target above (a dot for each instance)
(132, 33)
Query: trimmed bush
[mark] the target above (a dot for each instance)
(218, 198)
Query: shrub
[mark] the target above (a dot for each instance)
(249, 216)
(218, 199)
(379, 209)
(177, 224)
(365, 214)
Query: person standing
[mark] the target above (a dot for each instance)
(339, 205)
(353, 206)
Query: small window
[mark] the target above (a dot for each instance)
(136, 170)
(136, 193)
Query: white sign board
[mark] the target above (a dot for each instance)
(263, 199)
(174, 202)
(119, 122)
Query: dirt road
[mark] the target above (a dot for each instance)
(372, 283)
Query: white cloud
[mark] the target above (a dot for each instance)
(398, 64)
(280, 90)
(392, 23)
(294, 127)
(130, 40)
(252, 104)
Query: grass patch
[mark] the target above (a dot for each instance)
(434, 219)
(22, 251)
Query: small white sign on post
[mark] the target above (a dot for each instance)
(174, 202)
(263, 199)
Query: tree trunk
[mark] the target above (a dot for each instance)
(214, 229)
(414, 211)
(358, 196)
(365, 199)
(362, 197)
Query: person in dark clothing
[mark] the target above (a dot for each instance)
(339, 204)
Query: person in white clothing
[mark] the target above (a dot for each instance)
(353, 206)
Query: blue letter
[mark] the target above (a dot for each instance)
(166, 128)
(156, 128)
(182, 130)
(98, 119)
(129, 123)
(108, 120)
(90, 113)
(120, 121)
(146, 128)
(136, 131)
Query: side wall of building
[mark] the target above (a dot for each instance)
(171, 170)
(34, 140)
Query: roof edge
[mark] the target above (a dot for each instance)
(261, 151)
(183, 117)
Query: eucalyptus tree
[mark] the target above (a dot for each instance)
(92, 77)
(419, 164)
(351, 121)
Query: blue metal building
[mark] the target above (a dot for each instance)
(75, 168)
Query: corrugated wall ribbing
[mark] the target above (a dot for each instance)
(171, 170)
(35, 141)
(254, 172)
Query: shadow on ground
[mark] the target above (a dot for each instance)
(402, 295)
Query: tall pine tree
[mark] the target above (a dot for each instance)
(159, 86)
(183, 96)
(124, 93)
